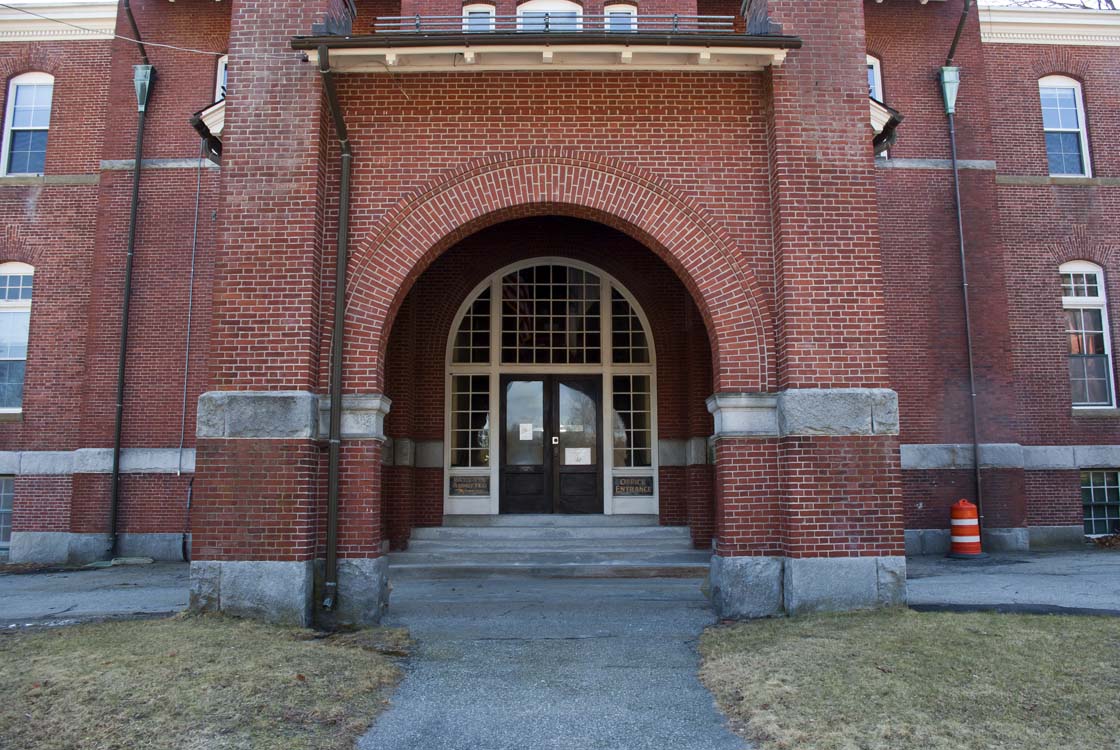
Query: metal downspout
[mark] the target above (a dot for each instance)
(114, 503)
(330, 578)
(964, 280)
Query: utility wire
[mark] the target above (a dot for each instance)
(115, 36)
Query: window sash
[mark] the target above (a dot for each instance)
(27, 123)
(1100, 502)
(1063, 114)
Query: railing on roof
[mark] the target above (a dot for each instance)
(556, 23)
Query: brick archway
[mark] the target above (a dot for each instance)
(409, 238)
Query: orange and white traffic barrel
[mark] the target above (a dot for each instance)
(964, 532)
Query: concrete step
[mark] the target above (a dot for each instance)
(619, 569)
(551, 520)
(665, 544)
(482, 533)
(564, 557)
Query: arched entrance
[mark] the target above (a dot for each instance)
(551, 395)
(546, 328)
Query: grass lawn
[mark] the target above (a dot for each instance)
(192, 683)
(899, 679)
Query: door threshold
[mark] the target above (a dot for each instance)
(552, 519)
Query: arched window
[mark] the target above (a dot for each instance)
(15, 321)
(1090, 351)
(555, 16)
(621, 17)
(1063, 121)
(27, 119)
(558, 356)
(874, 78)
(478, 17)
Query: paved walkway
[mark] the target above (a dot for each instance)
(76, 595)
(551, 663)
(1075, 581)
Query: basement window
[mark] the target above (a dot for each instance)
(1100, 498)
(7, 498)
(1090, 351)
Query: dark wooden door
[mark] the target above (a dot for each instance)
(577, 455)
(526, 480)
(552, 449)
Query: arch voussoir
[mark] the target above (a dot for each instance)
(410, 237)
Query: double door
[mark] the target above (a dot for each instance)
(551, 444)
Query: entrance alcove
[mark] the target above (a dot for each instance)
(548, 365)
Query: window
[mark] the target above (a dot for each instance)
(478, 17)
(1090, 352)
(1063, 121)
(633, 422)
(7, 495)
(550, 316)
(874, 78)
(223, 78)
(1100, 499)
(621, 18)
(470, 420)
(15, 319)
(556, 16)
(26, 121)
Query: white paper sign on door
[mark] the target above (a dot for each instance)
(577, 456)
(526, 430)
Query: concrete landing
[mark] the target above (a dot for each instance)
(510, 664)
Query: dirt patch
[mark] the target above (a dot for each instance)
(193, 683)
(902, 679)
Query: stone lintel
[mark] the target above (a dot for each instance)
(806, 412)
(1010, 456)
(363, 416)
(282, 415)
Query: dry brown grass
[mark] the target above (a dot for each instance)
(192, 683)
(898, 679)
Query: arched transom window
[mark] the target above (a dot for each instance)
(551, 321)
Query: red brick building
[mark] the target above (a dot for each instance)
(642, 261)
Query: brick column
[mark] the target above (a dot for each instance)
(260, 484)
(832, 457)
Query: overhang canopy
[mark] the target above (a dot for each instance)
(466, 52)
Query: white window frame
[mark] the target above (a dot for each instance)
(876, 66)
(221, 80)
(23, 305)
(26, 79)
(550, 6)
(487, 8)
(1100, 302)
(489, 505)
(620, 9)
(1065, 82)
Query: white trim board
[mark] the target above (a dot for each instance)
(1094, 28)
(98, 20)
